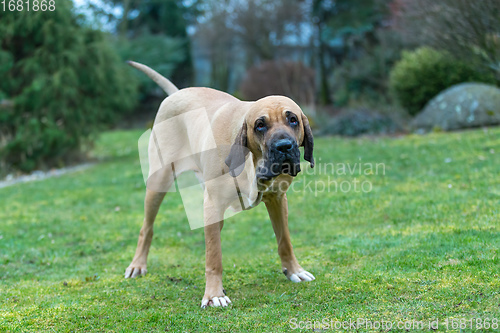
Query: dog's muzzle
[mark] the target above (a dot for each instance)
(283, 157)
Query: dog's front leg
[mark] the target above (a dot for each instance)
(214, 292)
(277, 207)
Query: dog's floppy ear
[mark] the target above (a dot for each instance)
(239, 150)
(308, 142)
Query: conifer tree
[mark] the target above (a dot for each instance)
(64, 81)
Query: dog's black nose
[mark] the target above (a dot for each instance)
(283, 145)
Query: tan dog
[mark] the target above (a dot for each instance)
(242, 152)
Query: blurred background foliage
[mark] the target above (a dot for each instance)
(356, 66)
(162, 53)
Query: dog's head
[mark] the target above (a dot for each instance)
(273, 130)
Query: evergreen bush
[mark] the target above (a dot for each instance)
(64, 81)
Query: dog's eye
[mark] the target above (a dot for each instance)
(293, 121)
(260, 126)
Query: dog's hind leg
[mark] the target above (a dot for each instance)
(151, 206)
(152, 203)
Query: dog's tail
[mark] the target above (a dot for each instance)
(162, 81)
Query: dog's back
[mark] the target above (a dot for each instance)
(194, 98)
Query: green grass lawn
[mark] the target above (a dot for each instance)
(422, 245)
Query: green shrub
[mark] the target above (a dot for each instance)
(65, 83)
(422, 74)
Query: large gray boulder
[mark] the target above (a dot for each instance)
(464, 105)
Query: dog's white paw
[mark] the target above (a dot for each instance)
(300, 276)
(215, 301)
(134, 271)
